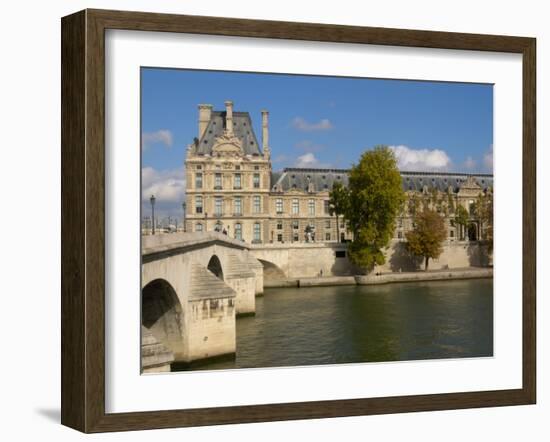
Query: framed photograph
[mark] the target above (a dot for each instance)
(267, 221)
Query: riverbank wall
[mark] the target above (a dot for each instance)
(310, 260)
(383, 278)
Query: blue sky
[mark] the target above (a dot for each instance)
(316, 122)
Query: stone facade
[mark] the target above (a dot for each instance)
(231, 188)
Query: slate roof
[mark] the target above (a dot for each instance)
(298, 178)
(242, 128)
(295, 178)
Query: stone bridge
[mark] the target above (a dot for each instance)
(193, 287)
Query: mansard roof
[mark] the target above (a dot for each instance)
(298, 178)
(242, 128)
(324, 179)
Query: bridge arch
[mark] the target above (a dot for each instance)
(215, 266)
(162, 314)
(272, 271)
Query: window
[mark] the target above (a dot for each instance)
(238, 231)
(218, 205)
(279, 225)
(327, 236)
(256, 167)
(199, 167)
(257, 232)
(238, 205)
(198, 227)
(198, 181)
(295, 225)
(327, 224)
(295, 207)
(198, 204)
(400, 234)
(452, 233)
(340, 253)
(237, 167)
(237, 181)
(256, 181)
(279, 205)
(218, 181)
(326, 206)
(295, 236)
(257, 204)
(218, 227)
(279, 237)
(311, 207)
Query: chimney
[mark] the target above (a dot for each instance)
(205, 112)
(265, 130)
(229, 117)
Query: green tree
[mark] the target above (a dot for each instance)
(375, 198)
(483, 211)
(462, 218)
(426, 239)
(338, 203)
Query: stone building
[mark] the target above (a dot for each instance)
(231, 188)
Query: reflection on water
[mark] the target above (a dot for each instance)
(395, 322)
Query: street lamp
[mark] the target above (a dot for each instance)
(153, 199)
(184, 207)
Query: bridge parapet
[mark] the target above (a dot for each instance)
(160, 246)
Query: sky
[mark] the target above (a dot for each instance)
(314, 121)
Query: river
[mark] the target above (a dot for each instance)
(349, 324)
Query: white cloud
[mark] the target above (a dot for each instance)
(470, 163)
(168, 186)
(488, 159)
(301, 124)
(310, 161)
(421, 159)
(162, 136)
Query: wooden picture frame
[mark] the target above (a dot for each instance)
(83, 220)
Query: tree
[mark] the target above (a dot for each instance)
(375, 198)
(462, 218)
(338, 203)
(426, 239)
(483, 211)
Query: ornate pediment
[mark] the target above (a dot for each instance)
(470, 187)
(227, 145)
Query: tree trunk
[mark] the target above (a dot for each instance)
(426, 264)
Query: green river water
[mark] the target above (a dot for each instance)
(350, 324)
